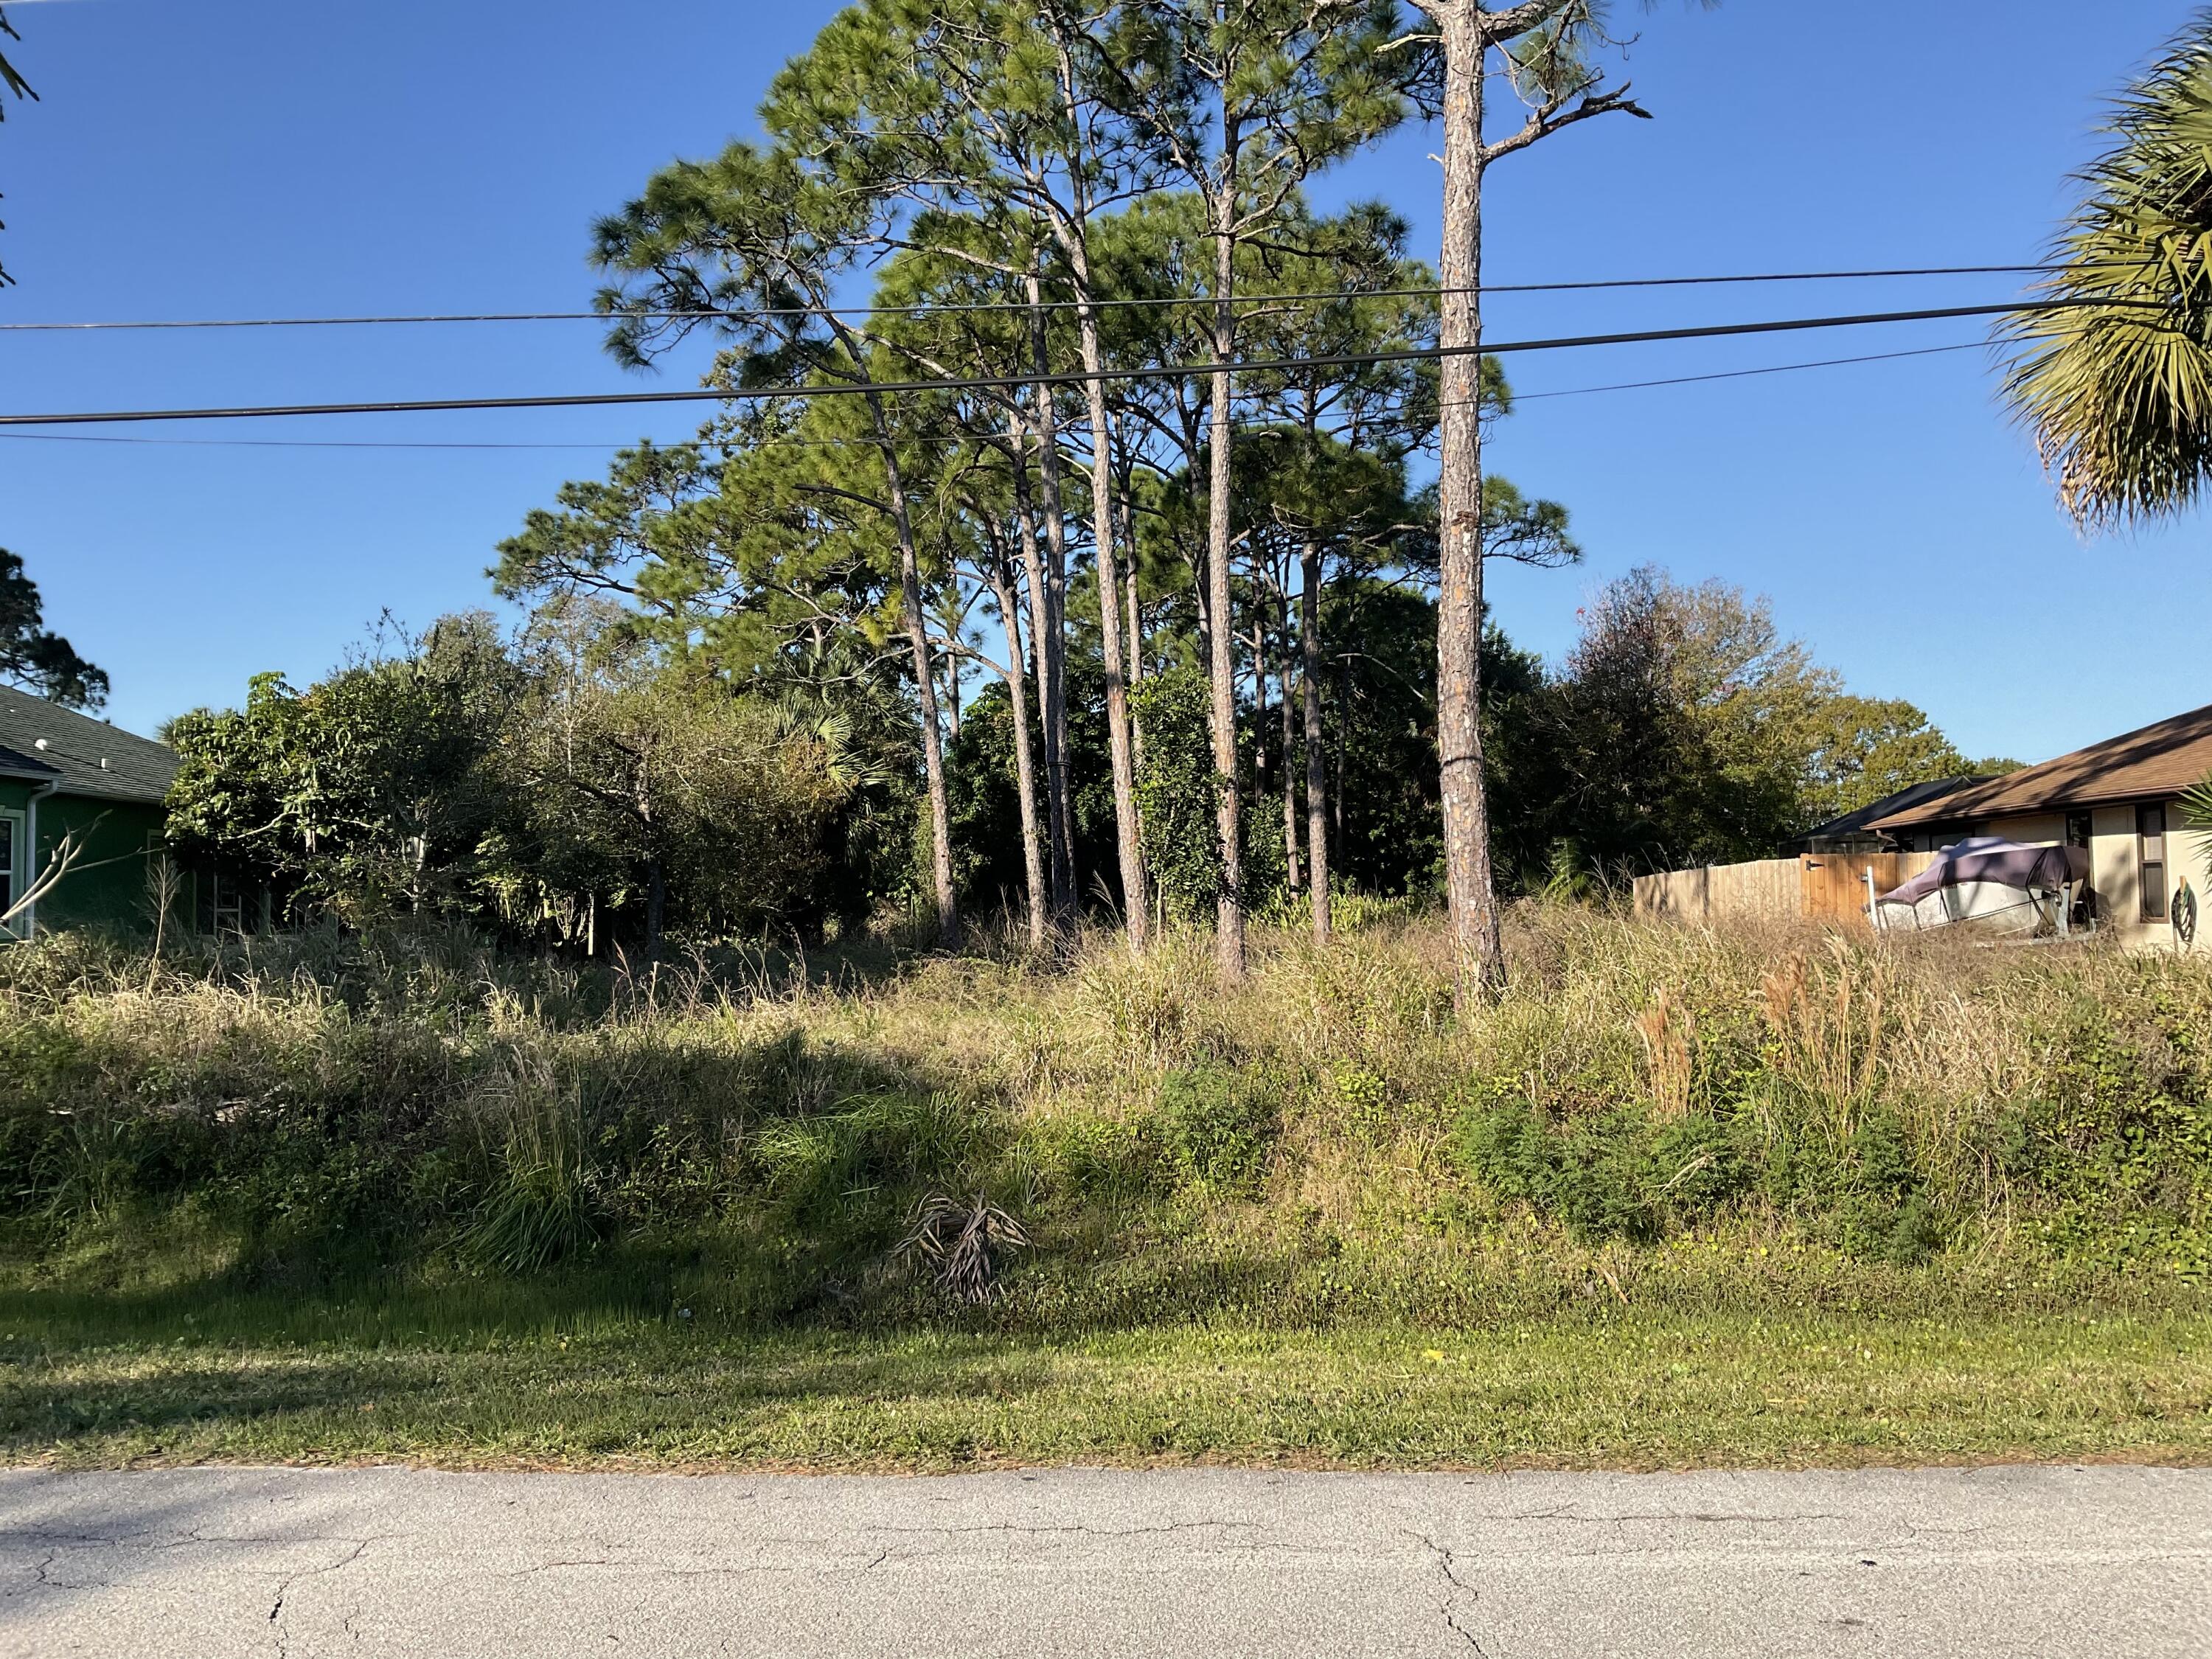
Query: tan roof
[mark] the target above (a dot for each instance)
(2163, 758)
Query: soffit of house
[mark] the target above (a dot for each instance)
(84, 755)
(12, 765)
(2160, 759)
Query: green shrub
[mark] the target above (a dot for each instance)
(1699, 1165)
(1876, 1206)
(1363, 1104)
(1509, 1149)
(1607, 1176)
(1602, 1186)
(1592, 1175)
(1092, 1157)
(1881, 1162)
(1216, 1129)
(1901, 1230)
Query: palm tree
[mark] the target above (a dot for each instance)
(2116, 383)
(13, 81)
(9, 77)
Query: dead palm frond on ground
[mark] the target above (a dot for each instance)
(961, 1243)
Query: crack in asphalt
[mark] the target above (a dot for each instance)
(1452, 1623)
(882, 1554)
(185, 1540)
(555, 1567)
(1447, 1560)
(1093, 1532)
(1568, 1512)
(660, 1571)
(284, 1588)
(42, 1575)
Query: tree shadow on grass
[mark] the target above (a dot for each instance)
(659, 1303)
(602, 1399)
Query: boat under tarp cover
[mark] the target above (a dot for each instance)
(1988, 879)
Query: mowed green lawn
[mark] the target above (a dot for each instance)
(477, 1373)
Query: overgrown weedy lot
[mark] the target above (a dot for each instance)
(1684, 1196)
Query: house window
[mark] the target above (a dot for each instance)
(2150, 861)
(2079, 827)
(8, 836)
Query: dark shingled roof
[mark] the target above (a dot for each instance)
(1862, 821)
(2160, 759)
(87, 756)
(12, 763)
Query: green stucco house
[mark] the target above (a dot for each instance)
(62, 772)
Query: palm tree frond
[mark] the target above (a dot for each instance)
(2117, 387)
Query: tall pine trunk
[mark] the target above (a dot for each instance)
(1316, 755)
(1049, 641)
(1479, 947)
(1121, 739)
(933, 745)
(1229, 805)
(1056, 527)
(1071, 229)
(1290, 734)
(1017, 697)
(924, 680)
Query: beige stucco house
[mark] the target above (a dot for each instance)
(2119, 799)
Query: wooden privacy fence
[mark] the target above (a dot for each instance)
(1828, 886)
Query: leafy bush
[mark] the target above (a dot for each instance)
(1363, 1101)
(1698, 1166)
(1215, 1129)
(1087, 1156)
(1882, 1213)
(1176, 789)
(1602, 1186)
(1509, 1148)
(1607, 1176)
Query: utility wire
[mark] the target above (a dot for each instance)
(772, 443)
(1741, 373)
(347, 443)
(1008, 305)
(1016, 382)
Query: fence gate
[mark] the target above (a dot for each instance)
(1835, 884)
(1828, 886)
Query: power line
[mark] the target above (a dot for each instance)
(1016, 382)
(623, 443)
(1742, 373)
(1004, 305)
(320, 443)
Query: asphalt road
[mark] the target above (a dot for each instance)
(1211, 1563)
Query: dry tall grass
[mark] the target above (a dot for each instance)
(733, 1074)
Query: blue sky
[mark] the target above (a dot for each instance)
(271, 158)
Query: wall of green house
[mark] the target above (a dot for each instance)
(14, 854)
(108, 885)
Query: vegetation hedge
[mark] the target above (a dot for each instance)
(1323, 1138)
